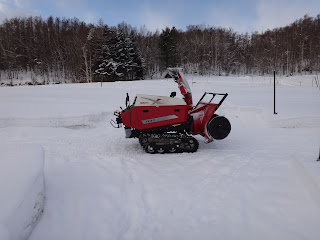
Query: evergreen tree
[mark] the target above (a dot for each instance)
(168, 47)
(118, 56)
(122, 55)
(136, 58)
(107, 64)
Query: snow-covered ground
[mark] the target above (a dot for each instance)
(22, 191)
(261, 182)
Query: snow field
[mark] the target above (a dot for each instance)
(22, 189)
(261, 182)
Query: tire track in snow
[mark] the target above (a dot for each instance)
(300, 122)
(76, 122)
(137, 207)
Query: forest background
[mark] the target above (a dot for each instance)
(57, 50)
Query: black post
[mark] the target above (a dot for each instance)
(319, 155)
(274, 92)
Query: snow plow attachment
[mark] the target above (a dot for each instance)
(218, 127)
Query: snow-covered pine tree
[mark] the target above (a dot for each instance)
(129, 56)
(107, 63)
(136, 56)
(118, 56)
(122, 55)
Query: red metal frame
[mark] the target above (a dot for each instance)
(185, 90)
(203, 112)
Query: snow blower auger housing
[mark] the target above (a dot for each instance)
(165, 124)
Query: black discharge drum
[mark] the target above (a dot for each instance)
(218, 127)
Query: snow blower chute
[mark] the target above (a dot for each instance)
(165, 124)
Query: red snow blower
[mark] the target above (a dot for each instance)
(165, 124)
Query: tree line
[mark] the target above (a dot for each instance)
(59, 49)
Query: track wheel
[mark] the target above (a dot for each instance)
(172, 150)
(150, 148)
(193, 144)
(160, 150)
(143, 140)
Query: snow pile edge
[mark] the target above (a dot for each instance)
(22, 189)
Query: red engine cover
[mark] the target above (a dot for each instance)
(146, 117)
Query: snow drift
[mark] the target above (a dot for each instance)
(22, 189)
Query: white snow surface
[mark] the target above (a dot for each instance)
(22, 190)
(261, 182)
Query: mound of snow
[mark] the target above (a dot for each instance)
(22, 190)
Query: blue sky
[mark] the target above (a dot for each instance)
(240, 15)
